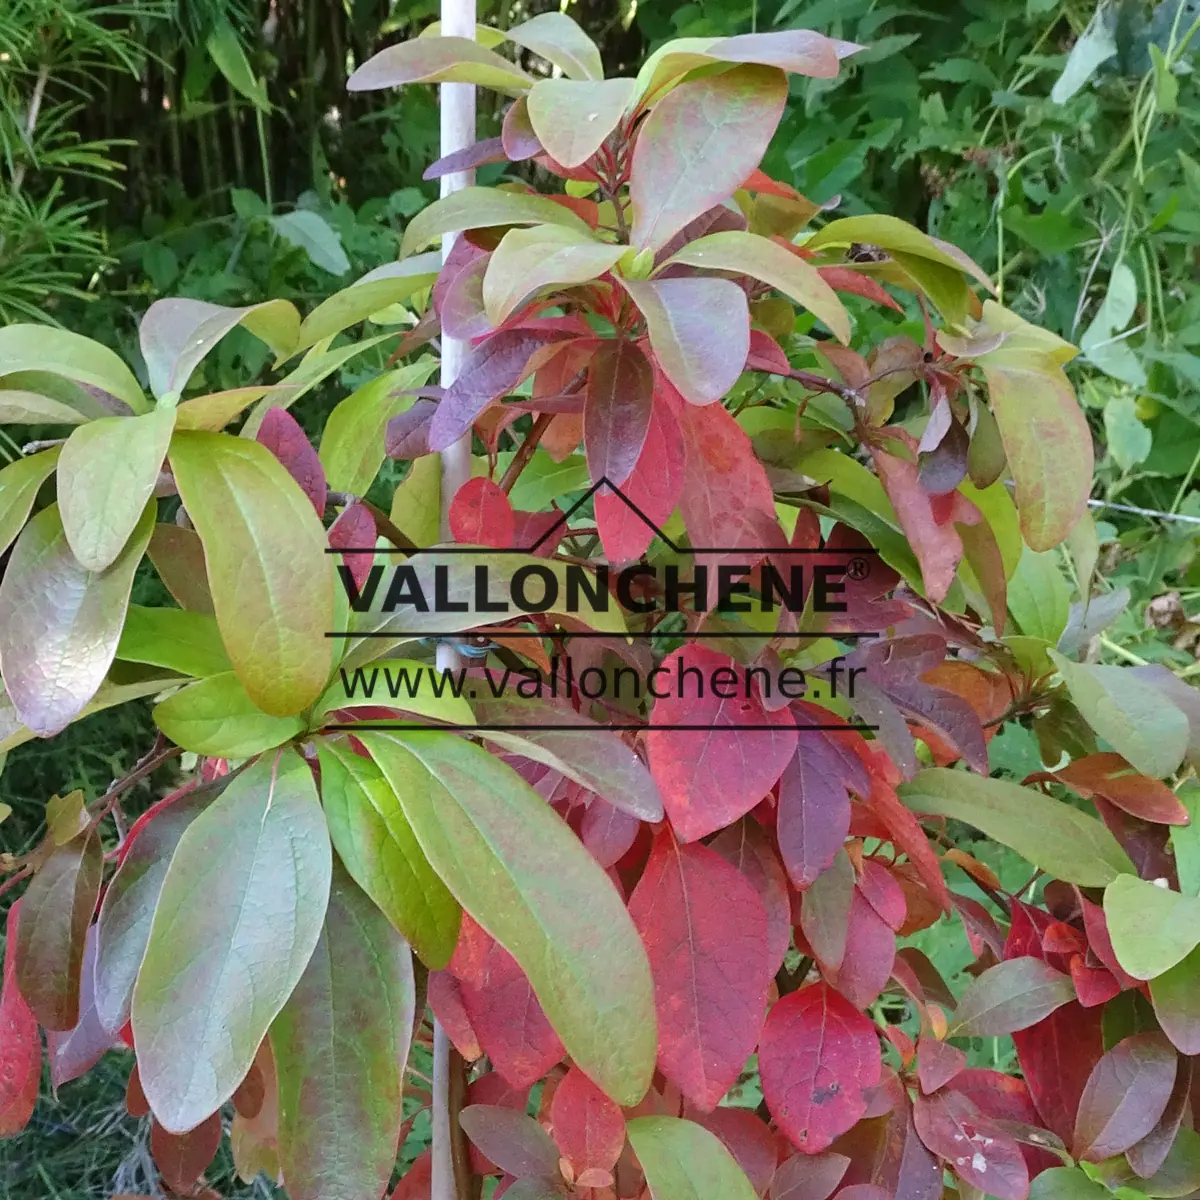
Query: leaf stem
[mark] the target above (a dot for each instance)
(525, 452)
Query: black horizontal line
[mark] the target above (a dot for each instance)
(856, 552)
(520, 633)
(367, 727)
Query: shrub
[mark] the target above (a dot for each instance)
(668, 918)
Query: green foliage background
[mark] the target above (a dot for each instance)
(151, 147)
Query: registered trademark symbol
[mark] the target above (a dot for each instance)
(858, 568)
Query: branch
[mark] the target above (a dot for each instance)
(525, 451)
(818, 383)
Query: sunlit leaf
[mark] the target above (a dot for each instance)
(439, 60)
(558, 39)
(19, 484)
(58, 352)
(215, 716)
(572, 119)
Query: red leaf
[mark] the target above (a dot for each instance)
(727, 500)
(934, 541)
(814, 805)
(866, 965)
(490, 370)
(758, 181)
(1126, 1094)
(445, 998)
(517, 1144)
(766, 355)
(1093, 985)
(711, 776)
(908, 836)
(746, 847)
(512, 1028)
(588, 1127)
(975, 1149)
(1095, 925)
(937, 1063)
(415, 1184)
(354, 528)
(825, 913)
(705, 931)
(182, 1157)
(653, 488)
(748, 1138)
(809, 1177)
(817, 1057)
(616, 411)
(480, 515)
(883, 893)
(20, 1047)
(846, 279)
(1110, 776)
(280, 432)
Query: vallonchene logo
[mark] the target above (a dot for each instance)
(470, 594)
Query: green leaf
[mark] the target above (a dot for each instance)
(698, 146)
(18, 407)
(19, 484)
(1100, 342)
(59, 622)
(1066, 1183)
(559, 40)
(545, 480)
(699, 330)
(352, 444)
(1037, 596)
(1129, 441)
(1063, 841)
(176, 334)
(315, 236)
(341, 1044)
(1095, 46)
(226, 52)
(524, 876)
(375, 841)
(573, 119)
(1134, 718)
(481, 208)
(528, 260)
(417, 501)
(1185, 841)
(896, 237)
(1152, 928)
(593, 756)
(271, 580)
(44, 348)
(439, 60)
(106, 475)
(1166, 85)
(187, 642)
(55, 913)
(683, 1161)
(123, 926)
(1176, 997)
(1010, 996)
(763, 259)
(215, 716)
(376, 290)
(243, 899)
(402, 684)
(1045, 434)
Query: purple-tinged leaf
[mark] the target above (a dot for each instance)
(280, 432)
(1010, 996)
(439, 60)
(814, 806)
(478, 154)
(516, 134)
(517, 1144)
(617, 410)
(974, 1148)
(937, 1063)
(74, 1052)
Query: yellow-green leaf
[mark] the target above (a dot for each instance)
(388, 284)
(761, 258)
(59, 622)
(176, 334)
(19, 484)
(340, 1045)
(230, 59)
(271, 580)
(1137, 720)
(528, 260)
(480, 208)
(44, 348)
(187, 642)
(239, 915)
(352, 445)
(378, 847)
(216, 717)
(1037, 596)
(214, 411)
(1152, 928)
(398, 683)
(416, 503)
(523, 875)
(1063, 841)
(684, 1161)
(439, 60)
(106, 474)
(559, 40)
(572, 119)
(19, 407)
